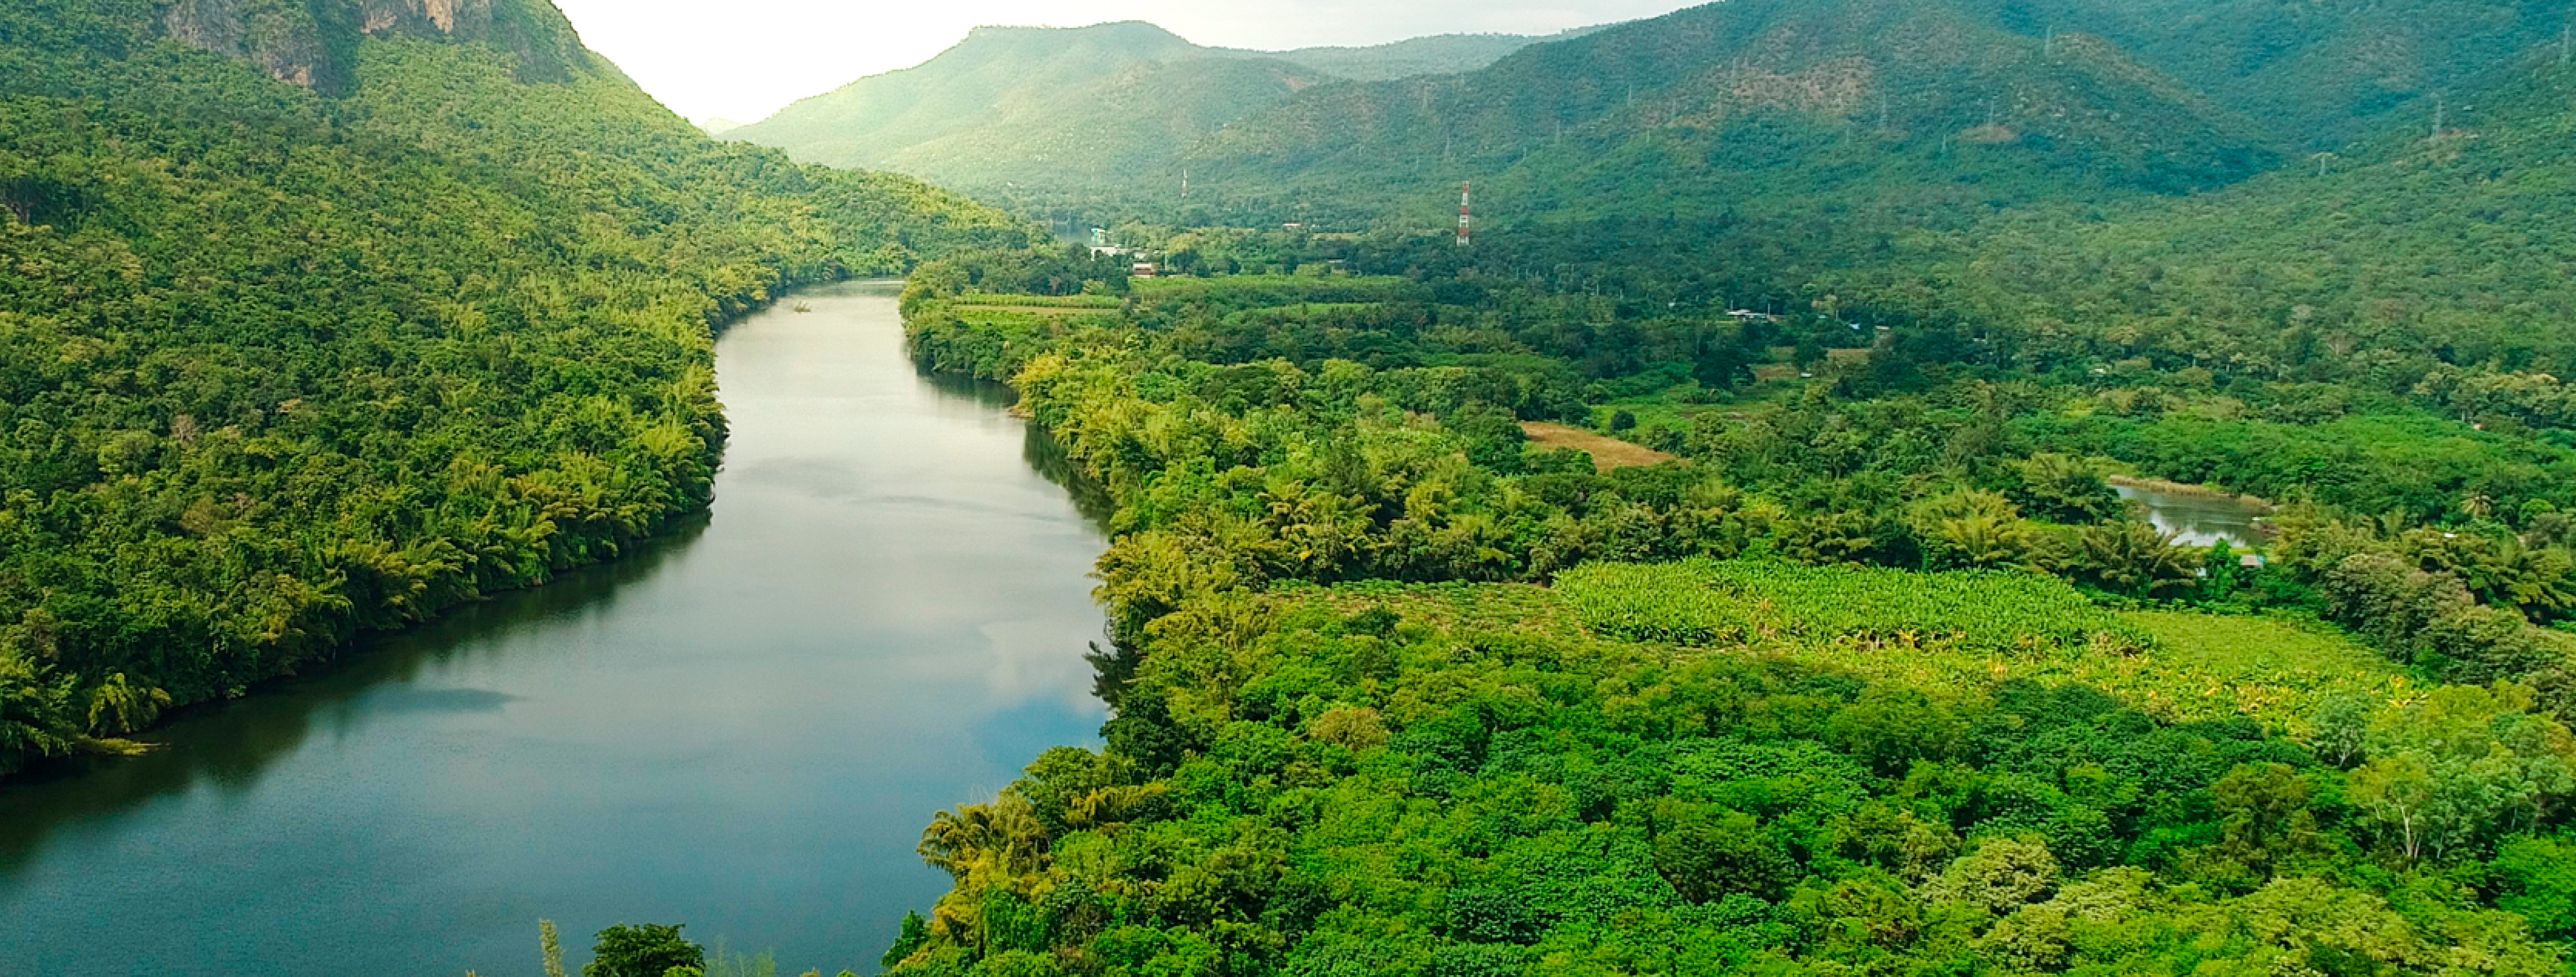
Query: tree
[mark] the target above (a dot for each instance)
(2063, 489)
(1891, 728)
(1971, 530)
(2451, 773)
(117, 706)
(2002, 875)
(35, 714)
(550, 948)
(2538, 876)
(2267, 823)
(1709, 853)
(643, 951)
(916, 933)
(2219, 580)
(2131, 559)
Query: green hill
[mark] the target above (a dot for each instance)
(1110, 132)
(976, 84)
(1444, 54)
(1752, 103)
(2415, 249)
(1087, 108)
(319, 316)
(2316, 74)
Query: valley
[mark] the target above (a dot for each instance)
(2006, 488)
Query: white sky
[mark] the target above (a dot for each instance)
(750, 58)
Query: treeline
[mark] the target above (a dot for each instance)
(1250, 454)
(276, 367)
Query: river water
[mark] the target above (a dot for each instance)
(743, 729)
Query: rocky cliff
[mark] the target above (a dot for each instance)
(313, 42)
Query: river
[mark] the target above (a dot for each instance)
(743, 729)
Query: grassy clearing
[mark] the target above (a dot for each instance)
(991, 300)
(1956, 631)
(1330, 288)
(1051, 312)
(1608, 454)
(1733, 602)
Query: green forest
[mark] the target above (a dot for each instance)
(279, 365)
(1873, 670)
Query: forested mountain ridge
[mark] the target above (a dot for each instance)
(1439, 54)
(1076, 107)
(1930, 109)
(2411, 254)
(325, 316)
(1106, 133)
(313, 42)
(1751, 102)
(2317, 75)
(970, 85)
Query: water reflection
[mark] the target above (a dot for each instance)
(227, 747)
(1047, 457)
(743, 728)
(2200, 520)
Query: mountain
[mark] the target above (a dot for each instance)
(1106, 133)
(2317, 74)
(1079, 107)
(320, 316)
(968, 87)
(718, 126)
(1444, 54)
(2408, 249)
(1748, 103)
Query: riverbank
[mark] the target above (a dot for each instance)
(742, 728)
(2261, 507)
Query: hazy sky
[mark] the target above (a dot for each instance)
(744, 59)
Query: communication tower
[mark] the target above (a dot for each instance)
(1466, 214)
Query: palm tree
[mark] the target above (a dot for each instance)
(1004, 837)
(118, 707)
(2133, 559)
(1972, 529)
(35, 714)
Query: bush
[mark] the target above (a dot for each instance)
(643, 951)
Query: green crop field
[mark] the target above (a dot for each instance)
(1969, 631)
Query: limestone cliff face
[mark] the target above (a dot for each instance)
(468, 20)
(313, 43)
(279, 39)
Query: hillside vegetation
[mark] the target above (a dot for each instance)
(2317, 75)
(1086, 109)
(1874, 677)
(1761, 104)
(1879, 116)
(279, 363)
(2420, 259)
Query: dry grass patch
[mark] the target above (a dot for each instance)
(1608, 454)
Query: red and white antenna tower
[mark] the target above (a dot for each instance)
(1466, 214)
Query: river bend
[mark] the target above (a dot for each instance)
(744, 728)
